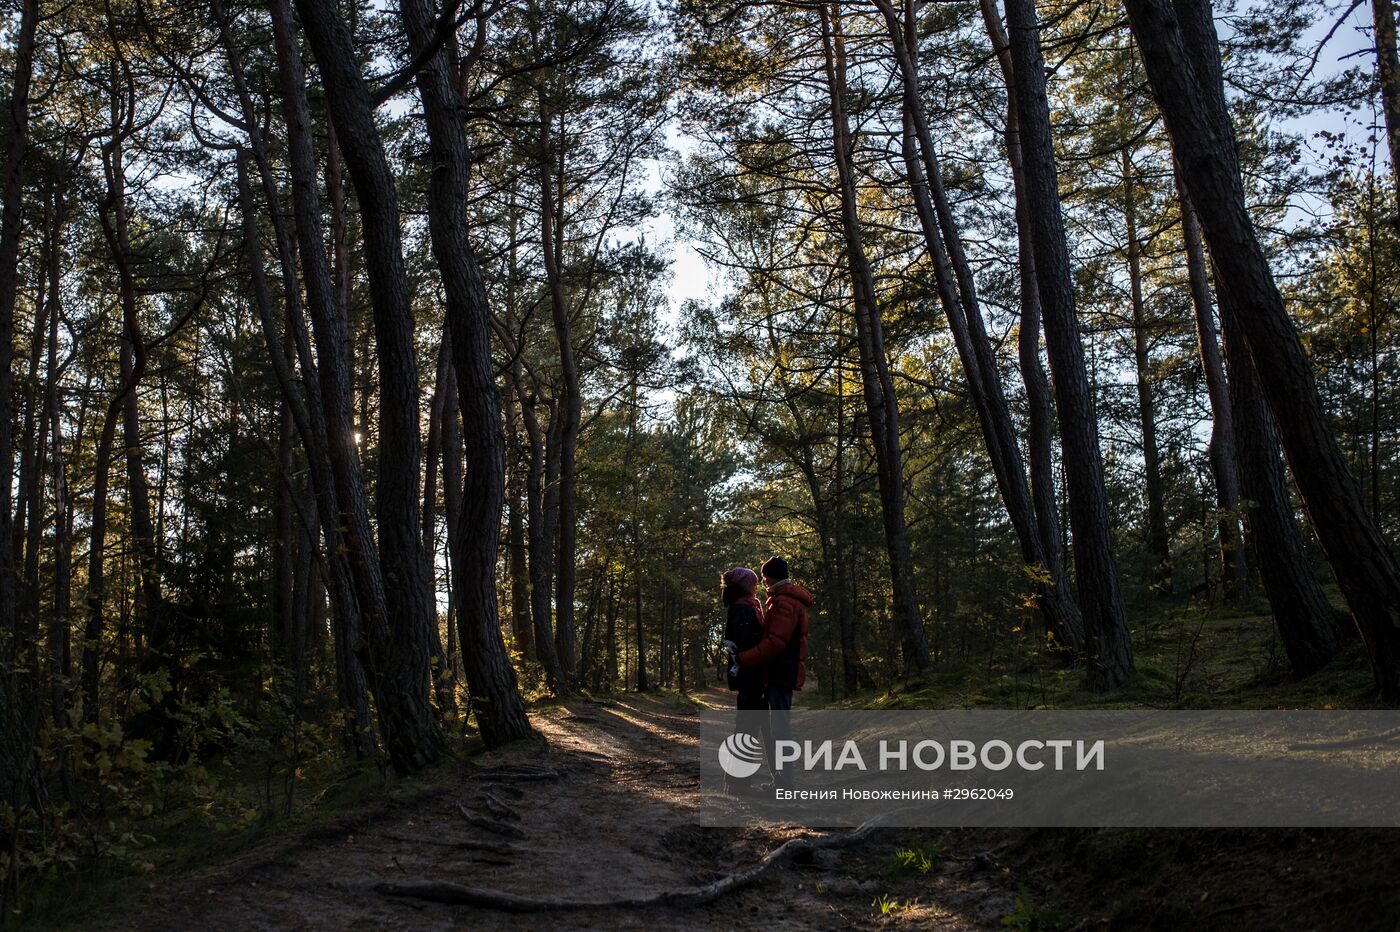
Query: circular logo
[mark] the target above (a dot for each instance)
(740, 755)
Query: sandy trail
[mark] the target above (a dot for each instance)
(605, 811)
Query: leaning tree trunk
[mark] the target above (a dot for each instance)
(1224, 462)
(496, 699)
(1307, 625)
(958, 294)
(1108, 644)
(1181, 54)
(311, 428)
(306, 398)
(1040, 444)
(400, 610)
(875, 370)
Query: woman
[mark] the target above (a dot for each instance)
(743, 629)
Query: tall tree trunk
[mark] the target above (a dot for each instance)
(1158, 540)
(496, 699)
(1224, 463)
(315, 400)
(1181, 53)
(518, 567)
(845, 609)
(310, 425)
(523, 619)
(642, 684)
(394, 653)
(1108, 645)
(1388, 76)
(875, 370)
(536, 535)
(570, 399)
(1307, 625)
(28, 526)
(115, 221)
(958, 294)
(16, 745)
(1040, 444)
(60, 647)
(439, 411)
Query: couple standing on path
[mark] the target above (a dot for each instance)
(767, 643)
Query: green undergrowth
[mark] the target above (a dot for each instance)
(1187, 657)
(195, 816)
(187, 831)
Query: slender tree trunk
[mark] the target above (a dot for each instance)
(60, 647)
(28, 526)
(401, 627)
(17, 744)
(1224, 463)
(1388, 76)
(516, 551)
(642, 684)
(1158, 539)
(845, 609)
(400, 640)
(1040, 443)
(1306, 622)
(444, 689)
(1108, 645)
(284, 545)
(318, 400)
(570, 399)
(496, 699)
(875, 371)
(523, 619)
(114, 217)
(1181, 54)
(958, 293)
(537, 536)
(310, 425)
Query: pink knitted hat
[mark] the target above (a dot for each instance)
(741, 577)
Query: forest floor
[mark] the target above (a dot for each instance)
(605, 810)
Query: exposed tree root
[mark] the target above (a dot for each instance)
(498, 809)
(445, 891)
(495, 826)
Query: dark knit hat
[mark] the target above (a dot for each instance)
(775, 568)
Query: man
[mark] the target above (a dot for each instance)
(783, 650)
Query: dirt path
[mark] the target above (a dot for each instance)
(606, 811)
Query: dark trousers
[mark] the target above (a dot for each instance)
(779, 729)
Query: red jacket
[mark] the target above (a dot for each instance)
(783, 649)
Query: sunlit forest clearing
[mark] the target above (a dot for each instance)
(386, 387)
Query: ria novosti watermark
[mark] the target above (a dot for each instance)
(928, 754)
(1052, 768)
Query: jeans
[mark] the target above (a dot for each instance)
(779, 700)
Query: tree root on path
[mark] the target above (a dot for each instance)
(445, 891)
(495, 826)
